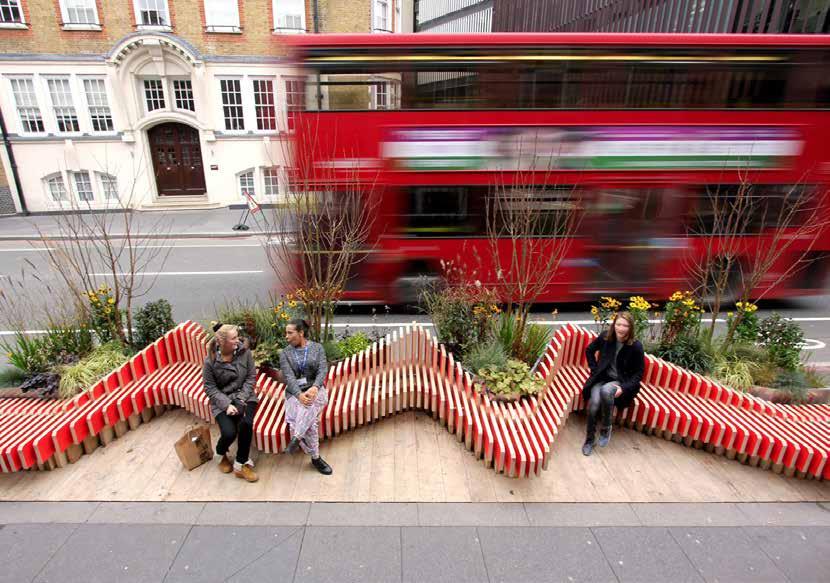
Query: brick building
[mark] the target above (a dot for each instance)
(163, 103)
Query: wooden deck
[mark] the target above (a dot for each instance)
(410, 458)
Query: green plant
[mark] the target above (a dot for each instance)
(11, 376)
(267, 353)
(103, 314)
(688, 352)
(68, 341)
(735, 373)
(152, 321)
(765, 374)
(815, 379)
(743, 323)
(333, 353)
(88, 371)
(534, 343)
(28, 354)
(353, 344)
(792, 382)
(489, 355)
(639, 308)
(783, 339)
(514, 378)
(680, 318)
(604, 313)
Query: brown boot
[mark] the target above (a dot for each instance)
(225, 465)
(246, 473)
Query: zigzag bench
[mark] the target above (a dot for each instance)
(408, 369)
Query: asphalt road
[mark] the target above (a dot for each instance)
(201, 274)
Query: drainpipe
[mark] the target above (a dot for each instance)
(15, 176)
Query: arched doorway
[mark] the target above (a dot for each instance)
(177, 160)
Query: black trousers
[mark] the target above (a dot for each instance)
(601, 404)
(232, 426)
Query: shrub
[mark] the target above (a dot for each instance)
(353, 344)
(765, 375)
(68, 342)
(639, 308)
(103, 314)
(793, 382)
(681, 317)
(604, 313)
(11, 377)
(28, 354)
(747, 328)
(534, 343)
(815, 380)
(88, 371)
(333, 353)
(152, 321)
(267, 353)
(490, 355)
(734, 372)
(783, 339)
(514, 378)
(687, 352)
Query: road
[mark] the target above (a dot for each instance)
(201, 274)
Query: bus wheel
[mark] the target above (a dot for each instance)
(410, 287)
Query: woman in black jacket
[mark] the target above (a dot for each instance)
(615, 378)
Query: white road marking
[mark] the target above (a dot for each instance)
(253, 271)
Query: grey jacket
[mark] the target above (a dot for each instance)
(316, 367)
(228, 381)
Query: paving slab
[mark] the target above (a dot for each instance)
(218, 553)
(544, 554)
(53, 512)
(645, 554)
(26, 548)
(726, 554)
(115, 552)
(442, 554)
(579, 514)
(802, 553)
(353, 554)
(146, 513)
(786, 514)
(690, 514)
(254, 513)
(363, 514)
(472, 514)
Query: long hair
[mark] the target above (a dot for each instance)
(220, 334)
(611, 335)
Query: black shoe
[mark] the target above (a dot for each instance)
(588, 447)
(293, 445)
(604, 436)
(321, 466)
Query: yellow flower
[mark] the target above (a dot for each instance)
(8, 355)
(111, 301)
(289, 297)
(107, 310)
(729, 314)
(292, 304)
(284, 316)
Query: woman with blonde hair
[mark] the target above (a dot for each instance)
(617, 361)
(229, 376)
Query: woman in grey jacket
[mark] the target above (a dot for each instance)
(229, 375)
(303, 366)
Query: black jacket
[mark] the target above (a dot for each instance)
(631, 363)
(229, 381)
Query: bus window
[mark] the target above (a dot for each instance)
(442, 211)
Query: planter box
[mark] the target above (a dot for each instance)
(814, 396)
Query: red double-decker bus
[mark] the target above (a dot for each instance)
(635, 129)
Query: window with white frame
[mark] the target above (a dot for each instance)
(271, 178)
(183, 92)
(153, 94)
(151, 13)
(63, 106)
(294, 99)
(289, 16)
(10, 12)
(109, 186)
(57, 189)
(381, 94)
(99, 109)
(83, 186)
(222, 16)
(79, 12)
(398, 16)
(232, 104)
(266, 115)
(382, 16)
(246, 183)
(27, 107)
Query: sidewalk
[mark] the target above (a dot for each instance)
(85, 541)
(180, 223)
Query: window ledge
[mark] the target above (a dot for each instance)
(96, 27)
(289, 31)
(223, 29)
(14, 25)
(154, 28)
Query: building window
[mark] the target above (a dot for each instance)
(246, 184)
(65, 114)
(294, 96)
(398, 27)
(109, 186)
(153, 94)
(222, 16)
(183, 90)
(57, 190)
(289, 16)
(152, 13)
(83, 186)
(27, 108)
(381, 90)
(382, 16)
(232, 104)
(271, 175)
(266, 116)
(79, 12)
(10, 12)
(99, 109)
